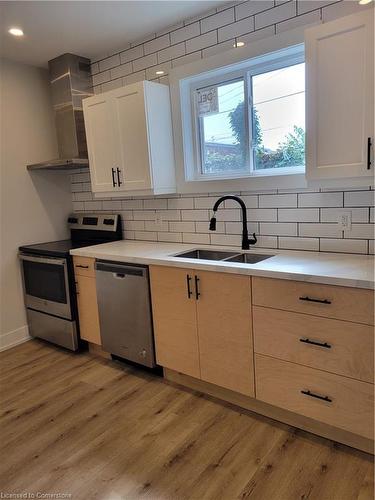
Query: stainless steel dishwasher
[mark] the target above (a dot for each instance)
(125, 311)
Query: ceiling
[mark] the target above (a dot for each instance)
(87, 28)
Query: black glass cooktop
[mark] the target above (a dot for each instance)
(57, 248)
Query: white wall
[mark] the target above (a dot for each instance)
(34, 206)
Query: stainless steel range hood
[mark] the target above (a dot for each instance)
(71, 82)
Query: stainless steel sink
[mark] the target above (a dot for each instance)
(248, 258)
(206, 254)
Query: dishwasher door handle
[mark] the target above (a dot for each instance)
(119, 276)
(120, 269)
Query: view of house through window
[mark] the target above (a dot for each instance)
(269, 133)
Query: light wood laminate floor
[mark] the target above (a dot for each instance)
(98, 429)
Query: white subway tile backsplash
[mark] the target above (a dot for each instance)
(298, 215)
(217, 20)
(120, 71)
(201, 42)
(190, 31)
(252, 7)
(170, 237)
(359, 199)
(371, 247)
(299, 219)
(262, 214)
(155, 204)
(203, 239)
(182, 227)
(343, 246)
(278, 228)
(131, 54)
(171, 52)
(236, 29)
(194, 215)
(333, 214)
(308, 19)
(225, 239)
(145, 62)
(320, 200)
(179, 203)
(157, 44)
(278, 201)
(290, 243)
(320, 230)
(275, 15)
(372, 214)
(361, 231)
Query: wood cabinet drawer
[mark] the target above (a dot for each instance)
(350, 304)
(338, 401)
(327, 344)
(84, 266)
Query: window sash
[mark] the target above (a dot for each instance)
(271, 63)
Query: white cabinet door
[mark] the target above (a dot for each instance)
(340, 97)
(132, 137)
(101, 141)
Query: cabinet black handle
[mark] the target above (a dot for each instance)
(113, 178)
(314, 342)
(317, 396)
(189, 292)
(320, 301)
(118, 177)
(197, 292)
(369, 144)
(80, 265)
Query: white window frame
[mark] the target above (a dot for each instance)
(231, 62)
(271, 62)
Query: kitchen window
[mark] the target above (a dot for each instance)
(249, 121)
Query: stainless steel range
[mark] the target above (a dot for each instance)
(48, 277)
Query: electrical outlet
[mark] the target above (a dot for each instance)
(345, 220)
(158, 221)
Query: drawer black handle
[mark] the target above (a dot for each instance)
(369, 144)
(317, 396)
(314, 342)
(113, 178)
(197, 292)
(83, 267)
(189, 292)
(320, 301)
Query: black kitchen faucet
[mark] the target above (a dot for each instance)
(246, 242)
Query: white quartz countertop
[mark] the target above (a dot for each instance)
(316, 267)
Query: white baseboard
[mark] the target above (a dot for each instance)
(13, 338)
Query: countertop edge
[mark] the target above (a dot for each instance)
(233, 268)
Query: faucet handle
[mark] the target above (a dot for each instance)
(253, 240)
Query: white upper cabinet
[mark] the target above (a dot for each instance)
(340, 98)
(129, 139)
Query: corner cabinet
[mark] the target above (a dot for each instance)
(340, 98)
(202, 326)
(129, 140)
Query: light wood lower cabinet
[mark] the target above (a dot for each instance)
(174, 316)
(202, 325)
(86, 299)
(335, 400)
(224, 331)
(332, 345)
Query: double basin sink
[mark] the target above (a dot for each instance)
(219, 255)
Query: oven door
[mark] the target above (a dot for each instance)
(46, 285)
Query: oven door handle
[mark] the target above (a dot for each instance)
(43, 260)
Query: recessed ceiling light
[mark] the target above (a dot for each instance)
(364, 2)
(238, 44)
(160, 72)
(15, 31)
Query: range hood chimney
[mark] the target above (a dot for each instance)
(71, 82)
